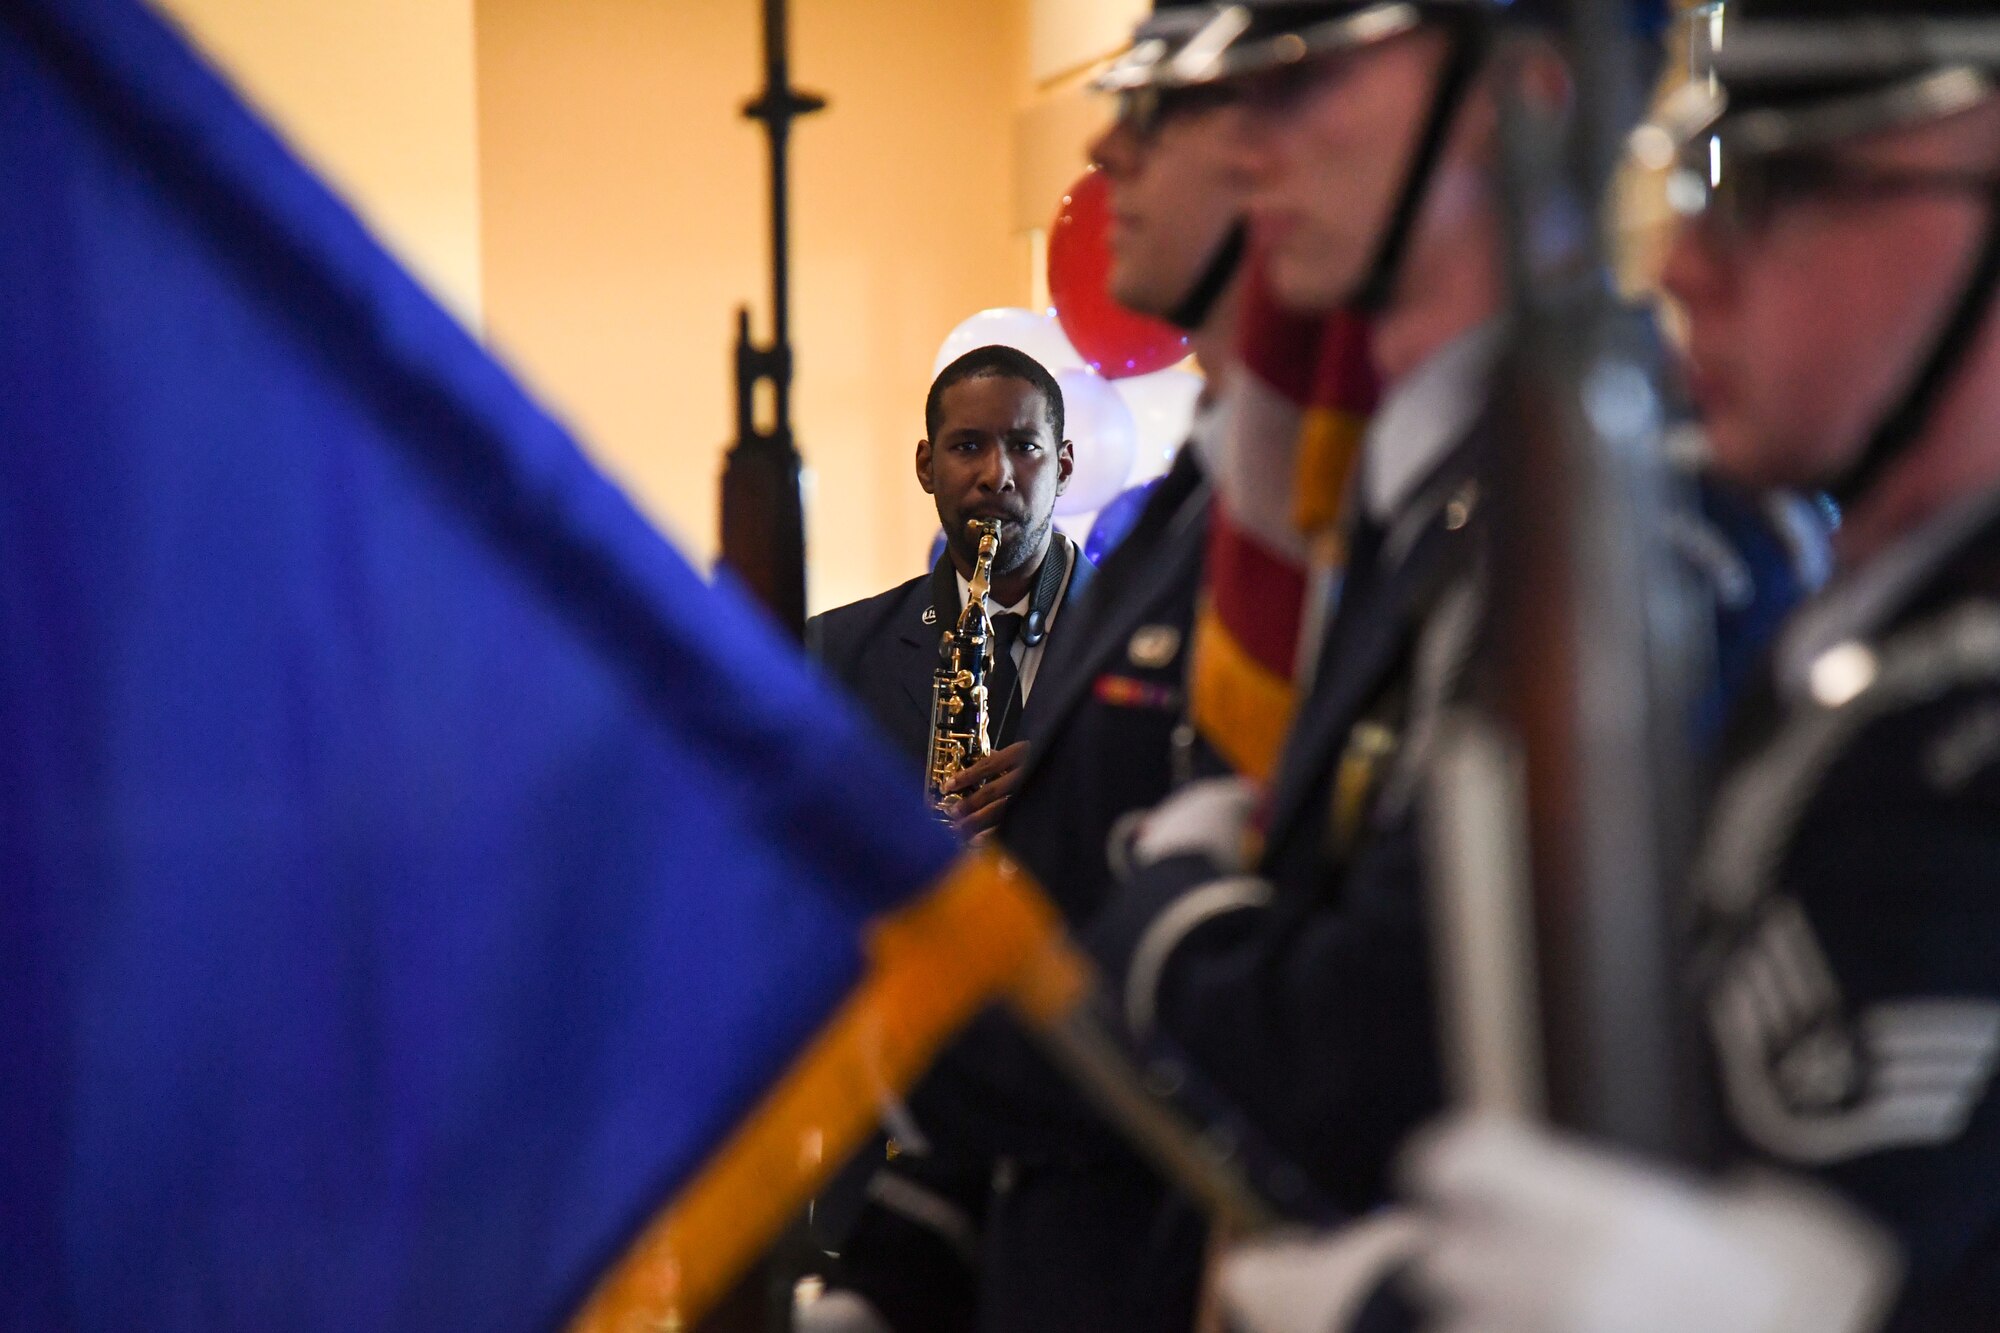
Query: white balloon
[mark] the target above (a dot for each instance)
(1035, 333)
(1105, 437)
(1162, 405)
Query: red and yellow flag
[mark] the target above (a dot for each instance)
(1302, 398)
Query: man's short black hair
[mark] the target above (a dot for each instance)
(991, 362)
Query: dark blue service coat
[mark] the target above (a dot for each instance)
(884, 648)
(1300, 997)
(1851, 884)
(1302, 993)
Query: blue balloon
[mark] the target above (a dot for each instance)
(1115, 521)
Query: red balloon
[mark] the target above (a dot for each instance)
(1113, 340)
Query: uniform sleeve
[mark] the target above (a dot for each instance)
(912, 1247)
(1308, 1009)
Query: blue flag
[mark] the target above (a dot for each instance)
(416, 878)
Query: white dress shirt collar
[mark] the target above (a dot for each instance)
(1423, 416)
(1027, 660)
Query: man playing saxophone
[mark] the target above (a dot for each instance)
(993, 452)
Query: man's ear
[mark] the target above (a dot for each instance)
(1065, 464)
(924, 466)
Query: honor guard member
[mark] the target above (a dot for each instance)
(1839, 281)
(1079, 1233)
(1287, 963)
(993, 448)
(1109, 739)
(1293, 978)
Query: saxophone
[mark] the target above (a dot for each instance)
(959, 706)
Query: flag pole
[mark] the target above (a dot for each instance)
(763, 514)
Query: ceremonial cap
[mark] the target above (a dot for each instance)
(1255, 36)
(1803, 73)
(1155, 41)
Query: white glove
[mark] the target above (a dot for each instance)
(837, 1312)
(1529, 1234)
(1210, 817)
(1314, 1282)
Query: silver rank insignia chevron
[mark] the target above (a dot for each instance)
(1812, 1082)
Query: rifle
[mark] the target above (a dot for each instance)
(1564, 813)
(764, 542)
(763, 516)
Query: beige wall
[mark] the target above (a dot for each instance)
(1066, 35)
(624, 219)
(378, 95)
(1068, 42)
(574, 174)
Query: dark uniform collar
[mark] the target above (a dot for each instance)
(1862, 605)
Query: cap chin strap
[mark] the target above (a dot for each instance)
(1900, 428)
(1194, 309)
(1470, 40)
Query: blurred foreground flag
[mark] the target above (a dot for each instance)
(417, 887)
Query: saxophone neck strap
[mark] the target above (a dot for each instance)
(1049, 585)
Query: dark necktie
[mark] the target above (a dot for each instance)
(1003, 685)
(1364, 555)
(1357, 577)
